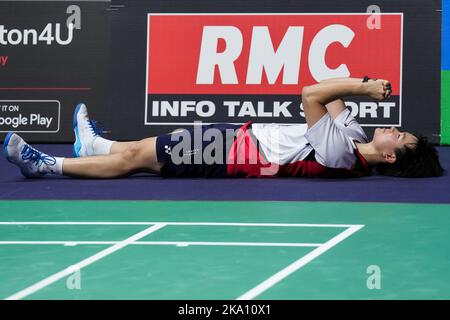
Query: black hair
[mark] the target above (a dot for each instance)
(420, 160)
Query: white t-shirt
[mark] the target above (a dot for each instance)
(332, 141)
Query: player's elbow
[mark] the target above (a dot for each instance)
(307, 93)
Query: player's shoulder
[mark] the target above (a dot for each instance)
(350, 126)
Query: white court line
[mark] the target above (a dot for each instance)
(263, 286)
(73, 268)
(176, 243)
(237, 224)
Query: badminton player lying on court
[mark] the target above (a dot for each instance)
(333, 145)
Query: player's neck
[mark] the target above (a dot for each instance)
(370, 153)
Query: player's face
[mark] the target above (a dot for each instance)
(387, 140)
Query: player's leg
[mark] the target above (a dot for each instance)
(88, 139)
(120, 146)
(139, 157)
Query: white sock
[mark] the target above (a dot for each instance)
(102, 146)
(56, 168)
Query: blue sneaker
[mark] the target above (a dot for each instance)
(86, 131)
(32, 163)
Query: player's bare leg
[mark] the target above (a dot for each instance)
(138, 157)
(88, 139)
(127, 158)
(118, 147)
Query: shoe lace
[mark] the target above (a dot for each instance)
(96, 127)
(29, 153)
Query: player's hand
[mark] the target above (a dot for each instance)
(379, 89)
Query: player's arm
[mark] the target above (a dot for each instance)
(325, 96)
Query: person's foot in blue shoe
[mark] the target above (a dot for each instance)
(32, 163)
(88, 139)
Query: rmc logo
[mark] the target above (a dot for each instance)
(264, 57)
